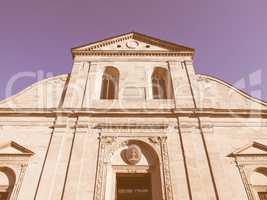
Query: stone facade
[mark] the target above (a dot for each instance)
(205, 141)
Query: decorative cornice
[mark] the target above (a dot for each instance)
(130, 53)
(72, 112)
(22, 151)
(132, 126)
(240, 152)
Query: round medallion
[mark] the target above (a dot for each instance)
(133, 154)
(132, 44)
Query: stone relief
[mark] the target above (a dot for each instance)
(132, 154)
(132, 44)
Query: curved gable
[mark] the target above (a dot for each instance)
(46, 93)
(215, 93)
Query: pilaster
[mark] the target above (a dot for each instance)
(192, 79)
(181, 87)
(195, 157)
(53, 177)
(82, 167)
(77, 85)
(177, 167)
(148, 75)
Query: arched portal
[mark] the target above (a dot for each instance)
(7, 182)
(134, 173)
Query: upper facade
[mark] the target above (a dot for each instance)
(133, 72)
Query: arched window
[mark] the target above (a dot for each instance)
(161, 84)
(259, 183)
(110, 83)
(7, 182)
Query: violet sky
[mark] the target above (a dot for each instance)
(230, 36)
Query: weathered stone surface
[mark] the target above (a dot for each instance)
(207, 142)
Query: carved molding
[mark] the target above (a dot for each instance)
(133, 126)
(130, 53)
(19, 167)
(18, 183)
(166, 168)
(154, 140)
(99, 191)
(245, 182)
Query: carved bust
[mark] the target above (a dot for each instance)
(133, 154)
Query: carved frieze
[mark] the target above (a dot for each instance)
(154, 140)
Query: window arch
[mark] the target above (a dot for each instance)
(110, 83)
(7, 182)
(161, 84)
(258, 181)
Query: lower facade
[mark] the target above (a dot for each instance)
(133, 157)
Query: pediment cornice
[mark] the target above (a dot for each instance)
(170, 49)
(253, 149)
(130, 53)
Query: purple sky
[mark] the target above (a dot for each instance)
(230, 36)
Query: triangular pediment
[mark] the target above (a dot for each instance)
(133, 42)
(254, 148)
(13, 148)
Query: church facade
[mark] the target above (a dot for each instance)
(133, 121)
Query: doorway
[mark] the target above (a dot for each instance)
(133, 186)
(3, 195)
